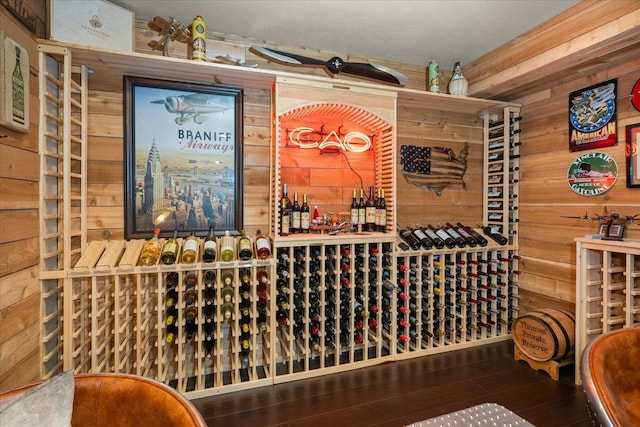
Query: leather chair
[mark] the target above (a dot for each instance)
(610, 373)
(102, 400)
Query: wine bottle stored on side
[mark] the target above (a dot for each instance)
(448, 240)
(437, 241)
(460, 241)
(210, 246)
(151, 250)
(245, 250)
(471, 242)
(409, 238)
(482, 242)
(497, 237)
(424, 240)
(170, 250)
(189, 249)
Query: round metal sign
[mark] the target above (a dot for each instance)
(592, 174)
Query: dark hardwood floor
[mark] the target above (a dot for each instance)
(404, 392)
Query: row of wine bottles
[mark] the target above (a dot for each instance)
(210, 249)
(447, 235)
(369, 215)
(233, 309)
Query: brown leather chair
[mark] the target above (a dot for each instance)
(610, 373)
(102, 400)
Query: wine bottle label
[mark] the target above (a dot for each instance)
(419, 234)
(210, 244)
(190, 245)
(295, 223)
(263, 243)
(354, 216)
(370, 213)
(305, 220)
(285, 224)
(227, 244)
(382, 220)
(245, 244)
(362, 217)
(170, 247)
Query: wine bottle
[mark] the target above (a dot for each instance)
(263, 245)
(497, 237)
(245, 251)
(460, 241)
(370, 212)
(448, 240)
(170, 250)
(285, 218)
(362, 211)
(190, 249)
(305, 216)
(424, 240)
(354, 209)
(437, 241)
(227, 247)
(482, 242)
(512, 120)
(190, 325)
(381, 212)
(500, 132)
(210, 246)
(409, 238)
(151, 250)
(295, 215)
(471, 242)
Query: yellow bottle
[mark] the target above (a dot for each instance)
(151, 250)
(198, 37)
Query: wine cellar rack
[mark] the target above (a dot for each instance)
(607, 290)
(330, 303)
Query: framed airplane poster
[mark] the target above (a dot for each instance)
(183, 157)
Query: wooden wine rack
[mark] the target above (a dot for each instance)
(607, 290)
(333, 303)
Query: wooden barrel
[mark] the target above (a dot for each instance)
(545, 334)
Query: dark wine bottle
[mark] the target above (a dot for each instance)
(437, 241)
(460, 241)
(409, 238)
(471, 242)
(419, 234)
(448, 240)
(210, 246)
(482, 242)
(512, 120)
(295, 215)
(370, 212)
(497, 237)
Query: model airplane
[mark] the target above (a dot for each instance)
(336, 65)
(229, 60)
(169, 30)
(191, 107)
(607, 217)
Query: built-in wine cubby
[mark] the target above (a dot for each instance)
(607, 290)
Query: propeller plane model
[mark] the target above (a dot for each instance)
(191, 107)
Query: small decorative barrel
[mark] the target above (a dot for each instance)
(545, 334)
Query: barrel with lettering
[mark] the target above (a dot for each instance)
(545, 334)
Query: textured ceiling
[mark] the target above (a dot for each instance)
(411, 32)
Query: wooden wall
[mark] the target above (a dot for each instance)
(19, 233)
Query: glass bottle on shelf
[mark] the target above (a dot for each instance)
(245, 250)
(458, 84)
(381, 212)
(305, 215)
(263, 245)
(190, 249)
(151, 250)
(227, 247)
(210, 246)
(295, 215)
(285, 218)
(354, 208)
(370, 212)
(170, 250)
(362, 211)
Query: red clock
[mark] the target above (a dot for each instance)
(635, 95)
